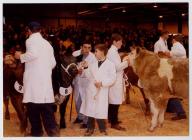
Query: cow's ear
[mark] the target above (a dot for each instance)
(138, 49)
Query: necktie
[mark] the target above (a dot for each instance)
(100, 62)
(165, 43)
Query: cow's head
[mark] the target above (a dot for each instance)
(133, 54)
(69, 62)
(10, 61)
(137, 55)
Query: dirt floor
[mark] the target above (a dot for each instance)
(132, 118)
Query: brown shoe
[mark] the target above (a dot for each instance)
(77, 120)
(179, 117)
(83, 126)
(104, 132)
(119, 122)
(89, 132)
(118, 127)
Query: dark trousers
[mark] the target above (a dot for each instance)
(174, 105)
(42, 113)
(100, 122)
(113, 114)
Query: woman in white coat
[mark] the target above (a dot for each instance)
(101, 75)
(116, 92)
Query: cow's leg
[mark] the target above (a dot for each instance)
(62, 110)
(155, 113)
(147, 105)
(163, 105)
(6, 103)
(16, 100)
(161, 117)
(55, 111)
(23, 112)
(127, 101)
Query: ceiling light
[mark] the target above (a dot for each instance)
(183, 14)
(160, 16)
(83, 12)
(155, 6)
(104, 7)
(123, 10)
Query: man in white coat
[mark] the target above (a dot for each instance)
(101, 75)
(177, 52)
(161, 45)
(116, 92)
(80, 82)
(38, 91)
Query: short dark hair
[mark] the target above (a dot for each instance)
(34, 26)
(178, 38)
(102, 47)
(86, 42)
(164, 33)
(116, 37)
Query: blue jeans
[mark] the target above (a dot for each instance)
(174, 106)
(79, 115)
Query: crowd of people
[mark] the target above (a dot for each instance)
(102, 73)
(14, 37)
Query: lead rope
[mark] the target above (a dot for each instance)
(127, 83)
(71, 107)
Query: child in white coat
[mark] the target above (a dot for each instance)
(101, 75)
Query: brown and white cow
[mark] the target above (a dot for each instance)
(133, 80)
(161, 78)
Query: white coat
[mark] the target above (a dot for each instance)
(161, 45)
(80, 82)
(178, 51)
(98, 107)
(39, 61)
(116, 92)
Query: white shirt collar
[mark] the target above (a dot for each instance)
(177, 44)
(114, 47)
(35, 34)
(162, 39)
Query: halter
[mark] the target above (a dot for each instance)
(127, 83)
(66, 69)
(64, 91)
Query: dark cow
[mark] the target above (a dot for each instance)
(12, 72)
(62, 77)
